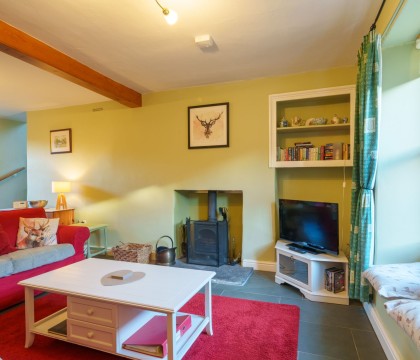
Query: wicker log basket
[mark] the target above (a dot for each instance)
(138, 253)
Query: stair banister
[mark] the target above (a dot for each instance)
(11, 173)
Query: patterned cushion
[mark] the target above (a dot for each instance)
(395, 280)
(407, 315)
(36, 232)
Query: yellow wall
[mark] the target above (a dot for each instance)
(311, 185)
(127, 163)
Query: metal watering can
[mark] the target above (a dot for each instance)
(165, 255)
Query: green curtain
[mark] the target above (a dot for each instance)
(368, 98)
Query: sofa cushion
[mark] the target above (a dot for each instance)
(9, 219)
(5, 247)
(37, 232)
(6, 266)
(28, 259)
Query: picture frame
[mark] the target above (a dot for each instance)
(60, 141)
(208, 126)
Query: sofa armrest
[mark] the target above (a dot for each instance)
(75, 235)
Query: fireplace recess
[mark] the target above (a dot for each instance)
(208, 241)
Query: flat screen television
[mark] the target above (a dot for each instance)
(310, 225)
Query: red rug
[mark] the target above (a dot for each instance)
(243, 329)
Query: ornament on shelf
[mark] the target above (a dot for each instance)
(297, 121)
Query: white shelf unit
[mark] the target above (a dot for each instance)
(312, 104)
(308, 273)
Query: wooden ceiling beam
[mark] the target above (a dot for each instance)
(24, 47)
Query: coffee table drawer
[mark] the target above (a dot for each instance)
(95, 312)
(91, 335)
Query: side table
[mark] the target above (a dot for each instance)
(66, 216)
(102, 246)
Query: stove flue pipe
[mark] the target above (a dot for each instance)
(212, 200)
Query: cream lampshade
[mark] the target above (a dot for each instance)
(61, 187)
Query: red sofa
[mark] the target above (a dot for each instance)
(10, 292)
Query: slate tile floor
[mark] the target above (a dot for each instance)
(326, 331)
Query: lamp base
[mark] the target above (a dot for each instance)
(61, 202)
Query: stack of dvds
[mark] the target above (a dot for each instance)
(334, 280)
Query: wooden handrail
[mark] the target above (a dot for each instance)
(11, 173)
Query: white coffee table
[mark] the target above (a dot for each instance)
(103, 317)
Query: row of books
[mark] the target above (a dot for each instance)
(335, 280)
(151, 338)
(307, 151)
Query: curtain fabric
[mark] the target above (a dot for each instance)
(368, 96)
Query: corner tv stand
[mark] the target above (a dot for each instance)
(306, 272)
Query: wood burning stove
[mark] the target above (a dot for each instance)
(208, 241)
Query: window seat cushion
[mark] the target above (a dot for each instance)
(395, 280)
(407, 315)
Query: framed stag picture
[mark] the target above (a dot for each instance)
(208, 126)
(60, 141)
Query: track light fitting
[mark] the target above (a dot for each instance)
(171, 16)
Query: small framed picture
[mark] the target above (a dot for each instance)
(60, 141)
(208, 126)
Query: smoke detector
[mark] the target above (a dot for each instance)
(204, 41)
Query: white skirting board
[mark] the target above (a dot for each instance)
(260, 265)
(383, 338)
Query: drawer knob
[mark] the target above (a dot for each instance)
(90, 311)
(90, 334)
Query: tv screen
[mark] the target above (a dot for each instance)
(310, 224)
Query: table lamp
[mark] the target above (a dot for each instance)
(61, 187)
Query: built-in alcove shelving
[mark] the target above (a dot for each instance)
(335, 106)
(315, 118)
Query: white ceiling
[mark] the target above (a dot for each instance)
(130, 42)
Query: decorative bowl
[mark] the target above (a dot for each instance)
(316, 121)
(38, 203)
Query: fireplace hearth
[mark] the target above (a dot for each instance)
(208, 241)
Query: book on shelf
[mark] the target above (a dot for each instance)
(304, 144)
(151, 338)
(329, 151)
(338, 151)
(59, 329)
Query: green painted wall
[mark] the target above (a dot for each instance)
(12, 156)
(127, 163)
(397, 190)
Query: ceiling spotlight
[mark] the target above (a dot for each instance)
(171, 16)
